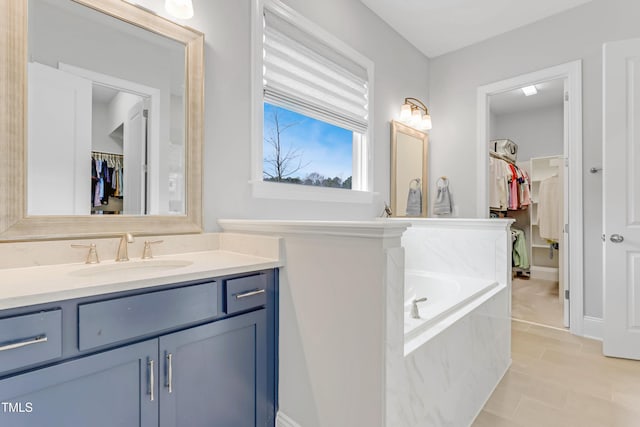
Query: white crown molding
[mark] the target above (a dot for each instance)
(462, 223)
(363, 229)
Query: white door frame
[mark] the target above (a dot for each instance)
(572, 72)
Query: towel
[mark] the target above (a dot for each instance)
(442, 204)
(414, 198)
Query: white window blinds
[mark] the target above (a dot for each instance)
(303, 74)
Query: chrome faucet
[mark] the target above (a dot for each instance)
(414, 307)
(123, 254)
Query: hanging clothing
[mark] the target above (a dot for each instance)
(106, 177)
(520, 254)
(509, 186)
(498, 182)
(514, 191)
(549, 213)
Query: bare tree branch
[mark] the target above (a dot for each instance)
(284, 162)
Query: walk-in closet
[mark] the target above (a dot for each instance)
(527, 183)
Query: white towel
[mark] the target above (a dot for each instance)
(442, 204)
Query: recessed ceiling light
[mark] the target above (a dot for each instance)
(530, 90)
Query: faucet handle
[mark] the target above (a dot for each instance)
(146, 252)
(415, 313)
(92, 256)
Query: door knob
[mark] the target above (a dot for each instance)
(616, 238)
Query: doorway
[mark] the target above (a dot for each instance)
(563, 84)
(533, 119)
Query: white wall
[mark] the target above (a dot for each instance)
(454, 78)
(400, 72)
(334, 337)
(101, 130)
(538, 132)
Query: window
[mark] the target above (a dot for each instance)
(299, 149)
(314, 106)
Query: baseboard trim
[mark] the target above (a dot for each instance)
(544, 273)
(593, 328)
(283, 420)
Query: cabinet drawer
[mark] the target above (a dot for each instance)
(29, 339)
(245, 293)
(106, 322)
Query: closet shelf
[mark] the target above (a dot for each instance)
(539, 246)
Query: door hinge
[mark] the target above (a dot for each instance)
(566, 96)
(566, 294)
(566, 228)
(145, 114)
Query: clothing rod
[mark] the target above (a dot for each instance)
(105, 153)
(501, 157)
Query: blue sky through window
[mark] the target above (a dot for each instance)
(317, 146)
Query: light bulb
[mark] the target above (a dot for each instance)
(425, 123)
(181, 9)
(405, 112)
(416, 117)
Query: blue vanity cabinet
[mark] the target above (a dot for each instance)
(102, 390)
(192, 354)
(216, 374)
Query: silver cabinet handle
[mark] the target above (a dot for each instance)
(170, 372)
(29, 341)
(250, 293)
(151, 380)
(616, 238)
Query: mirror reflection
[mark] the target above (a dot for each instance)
(408, 171)
(106, 115)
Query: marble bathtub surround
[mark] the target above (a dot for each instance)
(450, 370)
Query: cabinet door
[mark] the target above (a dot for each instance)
(216, 374)
(103, 390)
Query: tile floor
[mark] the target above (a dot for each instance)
(536, 301)
(559, 379)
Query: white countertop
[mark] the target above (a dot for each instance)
(30, 285)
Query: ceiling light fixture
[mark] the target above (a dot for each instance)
(529, 90)
(181, 9)
(411, 113)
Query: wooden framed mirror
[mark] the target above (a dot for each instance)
(409, 179)
(167, 195)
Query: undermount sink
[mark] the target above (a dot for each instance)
(142, 266)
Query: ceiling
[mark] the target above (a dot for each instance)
(436, 27)
(549, 94)
(103, 94)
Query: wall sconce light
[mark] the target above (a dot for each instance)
(181, 9)
(411, 113)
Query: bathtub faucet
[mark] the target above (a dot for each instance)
(414, 307)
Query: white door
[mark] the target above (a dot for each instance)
(59, 142)
(621, 207)
(134, 161)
